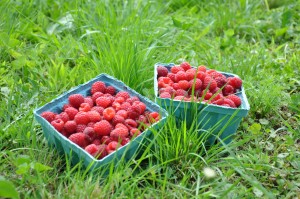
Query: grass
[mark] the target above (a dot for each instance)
(48, 47)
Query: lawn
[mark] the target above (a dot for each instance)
(49, 46)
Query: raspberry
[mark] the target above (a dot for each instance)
(164, 82)
(102, 151)
(208, 81)
(84, 107)
(162, 71)
(120, 125)
(119, 100)
(125, 141)
(211, 71)
(185, 65)
(184, 84)
(122, 113)
(179, 97)
(165, 95)
(133, 112)
(90, 124)
(134, 132)
(221, 81)
(216, 90)
(125, 106)
(58, 124)
(207, 96)
(181, 92)
(65, 106)
(141, 119)
(235, 82)
(109, 113)
(103, 102)
(98, 86)
(92, 149)
(196, 84)
(90, 101)
(180, 76)
(176, 69)
(97, 142)
(123, 94)
(130, 123)
(105, 139)
(96, 95)
(171, 76)
(229, 102)
(176, 86)
(80, 128)
(94, 116)
(190, 74)
(71, 111)
(70, 127)
(141, 105)
(48, 115)
(80, 139)
(202, 68)
(63, 115)
(153, 117)
(228, 90)
(201, 75)
(217, 97)
(89, 131)
(102, 128)
(116, 105)
(75, 100)
(117, 119)
(99, 109)
(119, 133)
(82, 118)
(110, 89)
(219, 101)
(112, 146)
(237, 101)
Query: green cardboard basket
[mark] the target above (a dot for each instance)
(221, 121)
(65, 146)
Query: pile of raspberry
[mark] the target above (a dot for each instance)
(102, 122)
(187, 83)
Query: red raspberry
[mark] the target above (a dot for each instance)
(98, 86)
(125, 141)
(221, 81)
(216, 90)
(109, 113)
(171, 76)
(219, 101)
(133, 112)
(90, 124)
(119, 100)
(94, 116)
(180, 76)
(96, 95)
(80, 139)
(141, 105)
(125, 106)
(97, 142)
(196, 84)
(237, 101)
(229, 102)
(106, 139)
(181, 92)
(201, 75)
(141, 119)
(102, 128)
(123, 94)
(176, 69)
(165, 95)
(122, 113)
(58, 124)
(119, 133)
(82, 118)
(112, 146)
(70, 126)
(228, 90)
(179, 97)
(90, 101)
(130, 123)
(176, 86)
(217, 97)
(89, 131)
(235, 82)
(103, 102)
(153, 117)
(116, 105)
(84, 107)
(65, 106)
(184, 84)
(63, 115)
(71, 111)
(64, 133)
(102, 151)
(134, 132)
(120, 125)
(132, 99)
(162, 71)
(75, 100)
(164, 82)
(110, 89)
(185, 65)
(202, 68)
(48, 115)
(190, 74)
(117, 119)
(211, 71)
(208, 81)
(92, 149)
(208, 95)
(99, 109)
(80, 128)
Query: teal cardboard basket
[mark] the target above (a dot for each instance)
(65, 146)
(221, 121)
